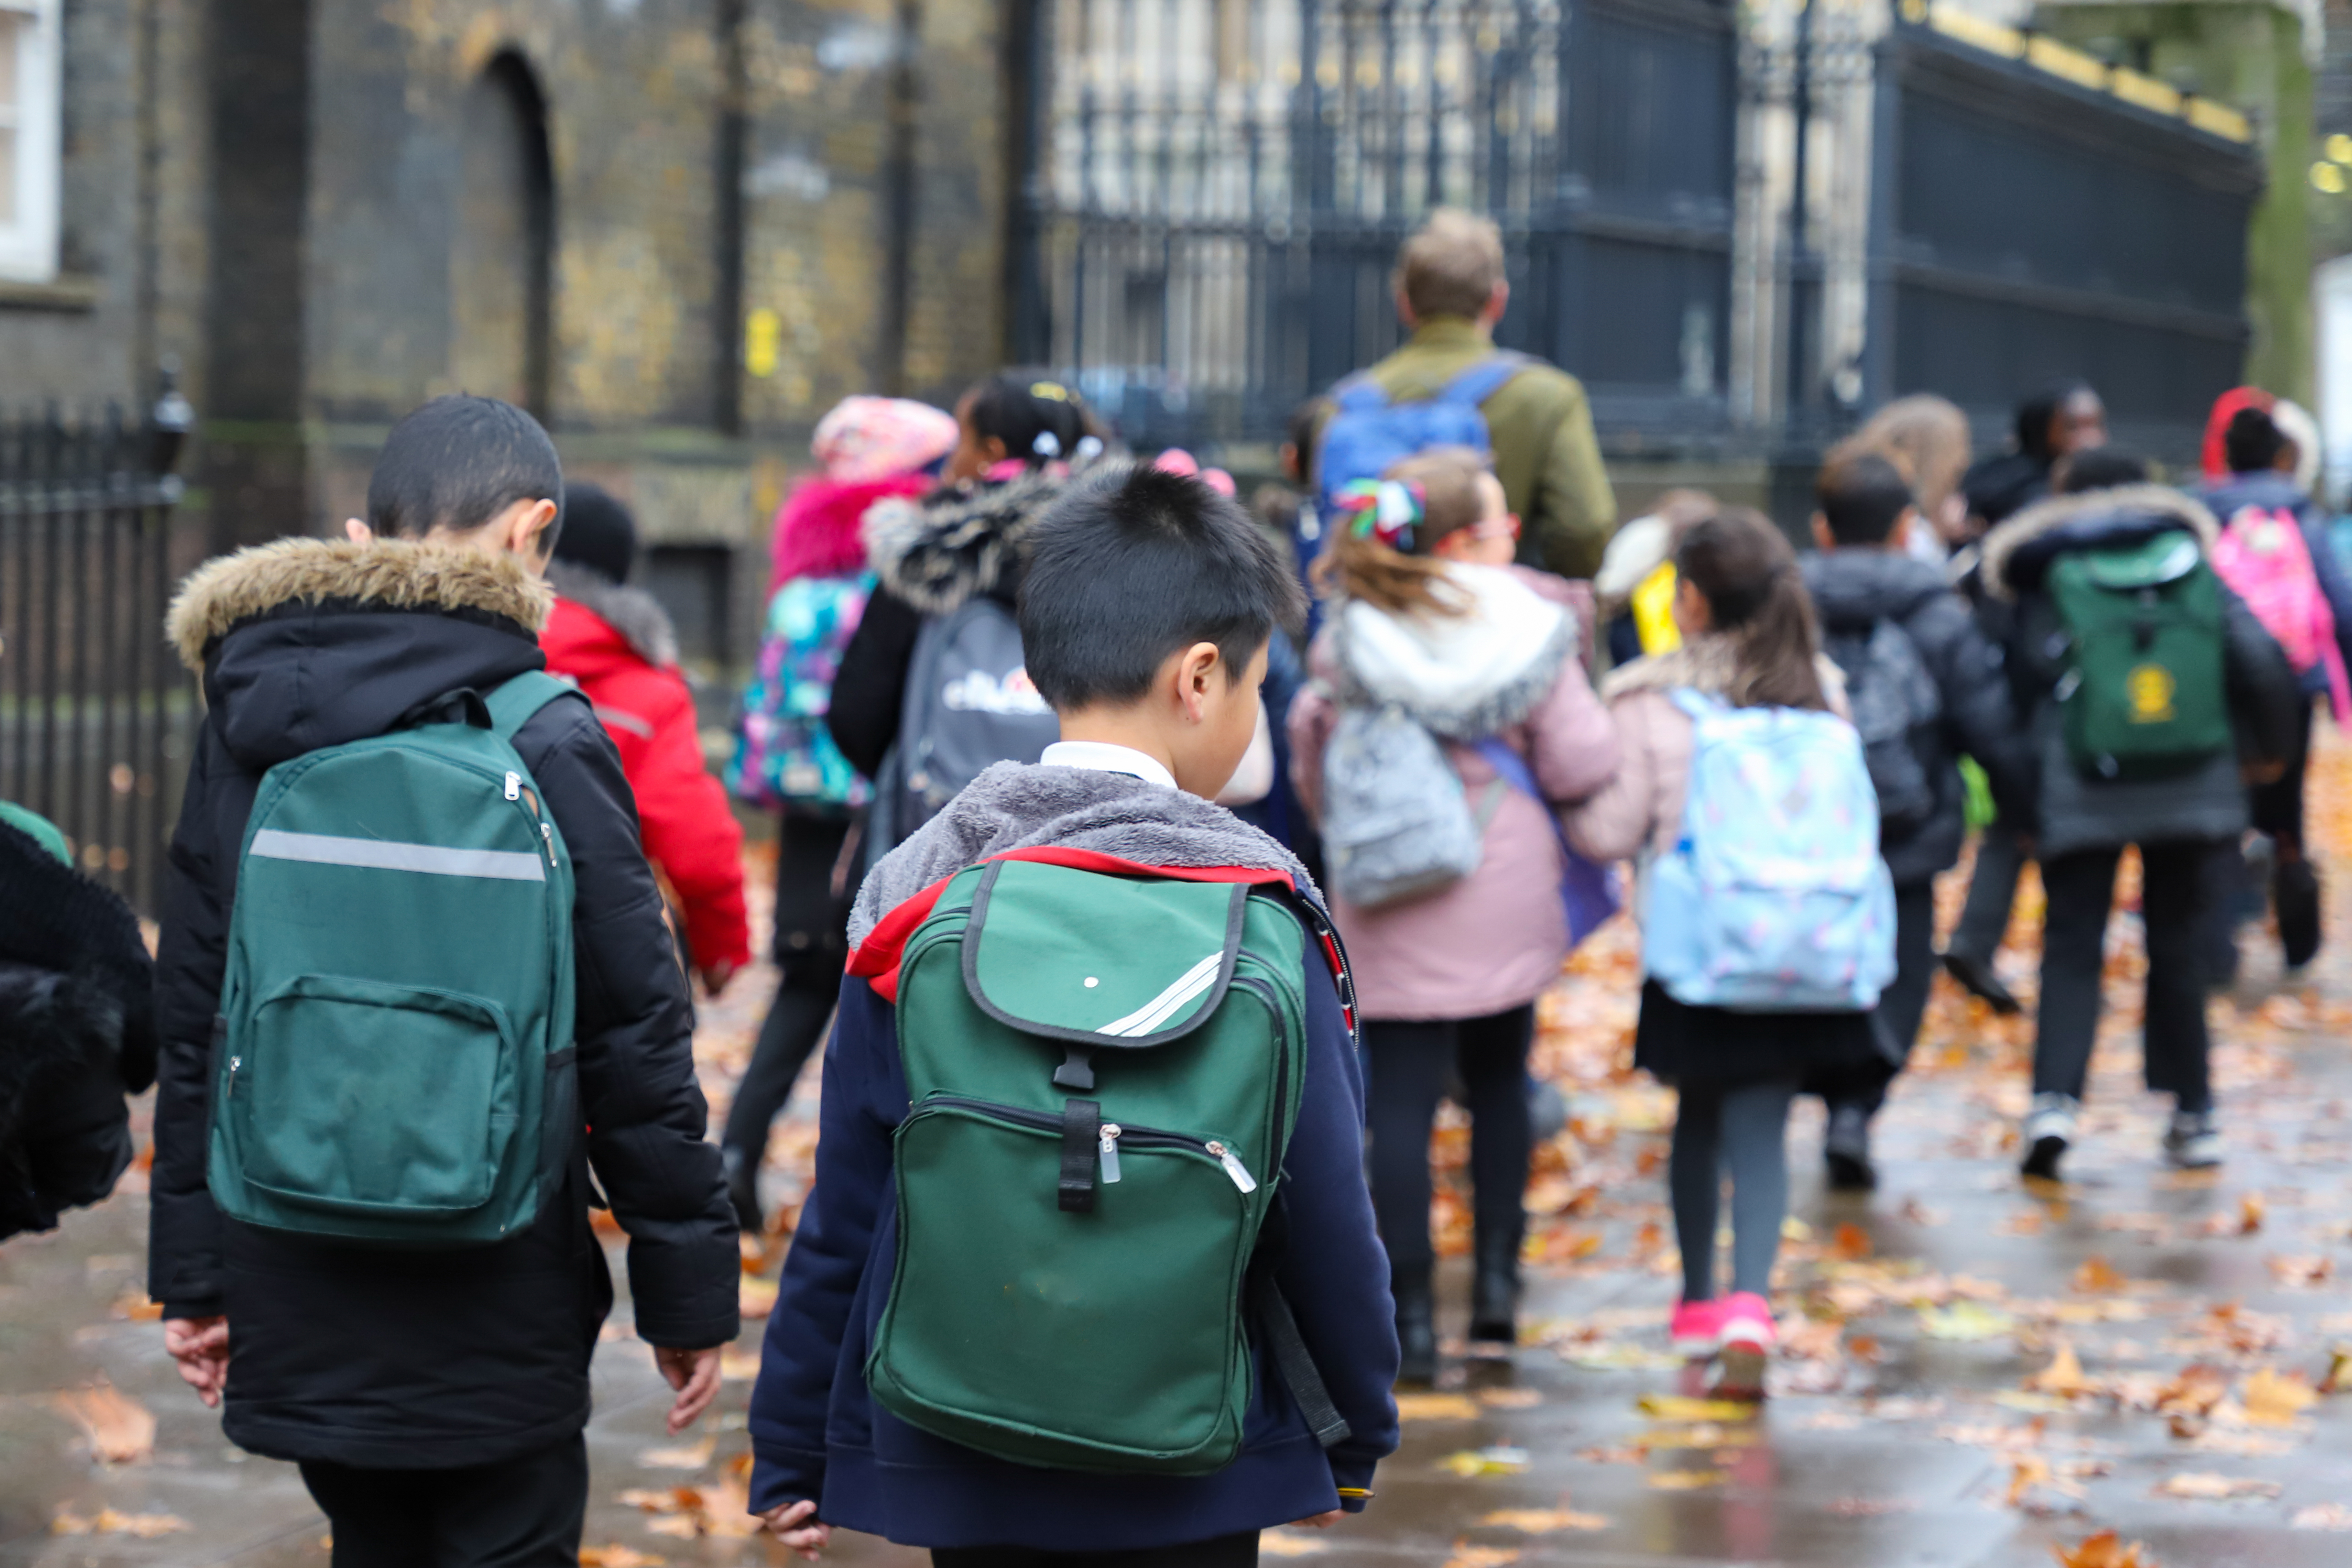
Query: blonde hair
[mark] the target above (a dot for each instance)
(1401, 582)
(1451, 265)
(1925, 437)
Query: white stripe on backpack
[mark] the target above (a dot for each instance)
(390, 855)
(1162, 1007)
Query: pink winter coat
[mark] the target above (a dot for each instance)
(1494, 939)
(1639, 811)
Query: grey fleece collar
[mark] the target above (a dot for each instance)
(636, 614)
(1023, 805)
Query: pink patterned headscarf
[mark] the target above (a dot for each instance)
(869, 438)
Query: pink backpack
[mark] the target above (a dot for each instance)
(2263, 558)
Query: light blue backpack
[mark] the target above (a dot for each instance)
(1774, 900)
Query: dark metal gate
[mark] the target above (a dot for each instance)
(93, 705)
(1218, 187)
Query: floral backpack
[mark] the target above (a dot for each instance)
(783, 752)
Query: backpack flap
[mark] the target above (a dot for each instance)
(2167, 558)
(1098, 961)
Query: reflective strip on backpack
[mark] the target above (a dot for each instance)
(1162, 1007)
(388, 855)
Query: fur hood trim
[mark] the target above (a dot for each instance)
(397, 573)
(1705, 665)
(820, 527)
(1462, 677)
(1020, 806)
(2045, 518)
(636, 614)
(938, 554)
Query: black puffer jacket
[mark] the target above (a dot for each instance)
(2078, 813)
(396, 1359)
(1853, 591)
(76, 1033)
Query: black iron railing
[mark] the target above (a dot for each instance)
(93, 705)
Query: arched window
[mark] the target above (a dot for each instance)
(502, 249)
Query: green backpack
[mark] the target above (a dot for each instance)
(2143, 695)
(1103, 1071)
(393, 1057)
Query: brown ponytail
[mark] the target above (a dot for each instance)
(1401, 581)
(1747, 575)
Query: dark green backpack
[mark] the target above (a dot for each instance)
(1103, 1071)
(393, 1057)
(2143, 694)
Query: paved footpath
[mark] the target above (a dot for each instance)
(1976, 1373)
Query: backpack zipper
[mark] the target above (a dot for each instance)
(1110, 1132)
(514, 786)
(1114, 1133)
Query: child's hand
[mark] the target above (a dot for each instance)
(201, 1347)
(807, 1539)
(1319, 1521)
(695, 1375)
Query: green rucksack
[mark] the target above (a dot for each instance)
(1103, 1074)
(2143, 694)
(393, 1057)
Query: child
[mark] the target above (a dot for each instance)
(616, 643)
(1926, 689)
(2222, 701)
(1146, 614)
(435, 1399)
(1748, 641)
(1430, 615)
(872, 449)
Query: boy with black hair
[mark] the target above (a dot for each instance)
(1145, 616)
(1925, 687)
(435, 1397)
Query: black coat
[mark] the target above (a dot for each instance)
(1854, 590)
(2075, 813)
(76, 1033)
(394, 1359)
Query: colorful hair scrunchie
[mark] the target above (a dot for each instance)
(1386, 511)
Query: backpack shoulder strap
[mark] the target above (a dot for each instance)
(1359, 394)
(1483, 380)
(512, 704)
(1695, 702)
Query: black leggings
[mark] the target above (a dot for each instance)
(1411, 1062)
(795, 1023)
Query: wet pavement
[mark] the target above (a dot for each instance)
(1976, 1372)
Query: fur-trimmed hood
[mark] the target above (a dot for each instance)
(1459, 675)
(307, 643)
(939, 551)
(633, 612)
(2019, 551)
(820, 528)
(1018, 805)
(1706, 664)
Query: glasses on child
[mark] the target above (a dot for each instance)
(1504, 527)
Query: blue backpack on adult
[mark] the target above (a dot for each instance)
(1371, 431)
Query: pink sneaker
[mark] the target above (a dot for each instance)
(1748, 1337)
(1697, 1329)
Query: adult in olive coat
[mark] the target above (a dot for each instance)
(1450, 293)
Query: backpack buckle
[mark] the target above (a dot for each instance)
(1077, 1069)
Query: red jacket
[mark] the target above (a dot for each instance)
(625, 657)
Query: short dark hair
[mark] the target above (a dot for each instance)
(1862, 494)
(2101, 469)
(456, 463)
(2252, 442)
(1134, 563)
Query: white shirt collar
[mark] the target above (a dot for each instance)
(1104, 757)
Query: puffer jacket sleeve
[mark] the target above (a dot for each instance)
(691, 833)
(1312, 716)
(2263, 691)
(1572, 740)
(183, 1239)
(1979, 717)
(1619, 820)
(869, 689)
(635, 1027)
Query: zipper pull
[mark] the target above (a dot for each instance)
(230, 1092)
(1109, 1153)
(1233, 1167)
(514, 786)
(547, 833)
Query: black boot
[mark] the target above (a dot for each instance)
(1845, 1149)
(1977, 976)
(2295, 890)
(743, 1190)
(1495, 1290)
(1417, 1320)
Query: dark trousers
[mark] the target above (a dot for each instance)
(2081, 889)
(1992, 888)
(1895, 1022)
(1409, 1063)
(2276, 807)
(796, 1024)
(518, 1513)
(1224, 1551)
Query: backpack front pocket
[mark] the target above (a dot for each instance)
(367, 1096)
(1101, 1337)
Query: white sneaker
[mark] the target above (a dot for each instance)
(2049, 1129)
(2194, 1142)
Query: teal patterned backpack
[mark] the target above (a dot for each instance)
(783, 752)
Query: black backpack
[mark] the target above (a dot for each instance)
(1892, 698)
